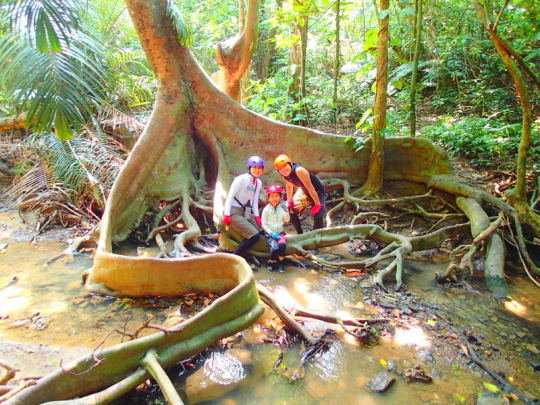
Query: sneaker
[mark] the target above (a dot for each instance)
(281, 267)
(270, 267)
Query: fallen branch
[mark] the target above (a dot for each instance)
(287, 319)
(151, 364)
(10, 373)
(506, 385)
(333, 319)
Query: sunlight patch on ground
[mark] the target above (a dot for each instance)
(57, 306)
(414, 336)
(313, 301)
(285, 298)
(515, 307)
(12, 299)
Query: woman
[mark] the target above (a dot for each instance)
(241, 209)
(310, 189)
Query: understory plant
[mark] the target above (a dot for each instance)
(484, 141)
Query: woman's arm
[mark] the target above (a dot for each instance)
(303, 175)
(289, 188)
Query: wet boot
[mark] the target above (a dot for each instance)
(281, 267)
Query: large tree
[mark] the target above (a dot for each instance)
(198, 136)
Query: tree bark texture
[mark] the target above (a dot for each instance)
(337, 62)
(234, 55)
(518, 196)
(374, 179)
(417, 42)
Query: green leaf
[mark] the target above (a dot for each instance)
(365, 116)
(459, 398)
(491, 387)
(398, 84)
(384, 14)
(61, 128)
(407, 11)
(184, 32)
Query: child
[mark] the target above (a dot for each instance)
(273, 216)
(241, 209)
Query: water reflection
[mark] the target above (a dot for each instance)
(414, 336)
(515, 307)
(329, 365)
(224, 369)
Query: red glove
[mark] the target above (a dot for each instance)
(226, 220)
(290, 204)
(258, 220)
(315, 209)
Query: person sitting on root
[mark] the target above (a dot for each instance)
(273, 216)
(310, 193)
(241, 209)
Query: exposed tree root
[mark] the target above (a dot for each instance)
(10, 373)
(227, 315)
(485, 239)
(151, 364)
(192, 232)
(287, 319)
(12, 393)
(348, 198)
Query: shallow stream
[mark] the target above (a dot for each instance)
(41, 301)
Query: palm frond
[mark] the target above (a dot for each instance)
(59, 88)
(46, 23)
(182, 29)
(120, 118)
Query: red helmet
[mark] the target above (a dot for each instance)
(273, 188)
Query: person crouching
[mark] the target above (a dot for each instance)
(273, 217)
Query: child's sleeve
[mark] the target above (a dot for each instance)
(265, 218)
(286, 216)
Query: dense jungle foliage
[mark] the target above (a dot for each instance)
(77, 70)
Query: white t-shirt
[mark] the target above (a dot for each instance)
(273, 218)
(246, 189)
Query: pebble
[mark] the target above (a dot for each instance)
(381, 382)
(489, 398)
(520, 333)
(425, 356)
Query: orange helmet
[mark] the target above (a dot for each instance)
(281, 161)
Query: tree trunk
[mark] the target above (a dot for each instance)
(194, 125)
(336, 64)
(234, 55)
(518, 196)
(417, 41)
(13, 122)
(298, 55)
(374, 179)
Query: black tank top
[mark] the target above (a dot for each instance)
(294, 179)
